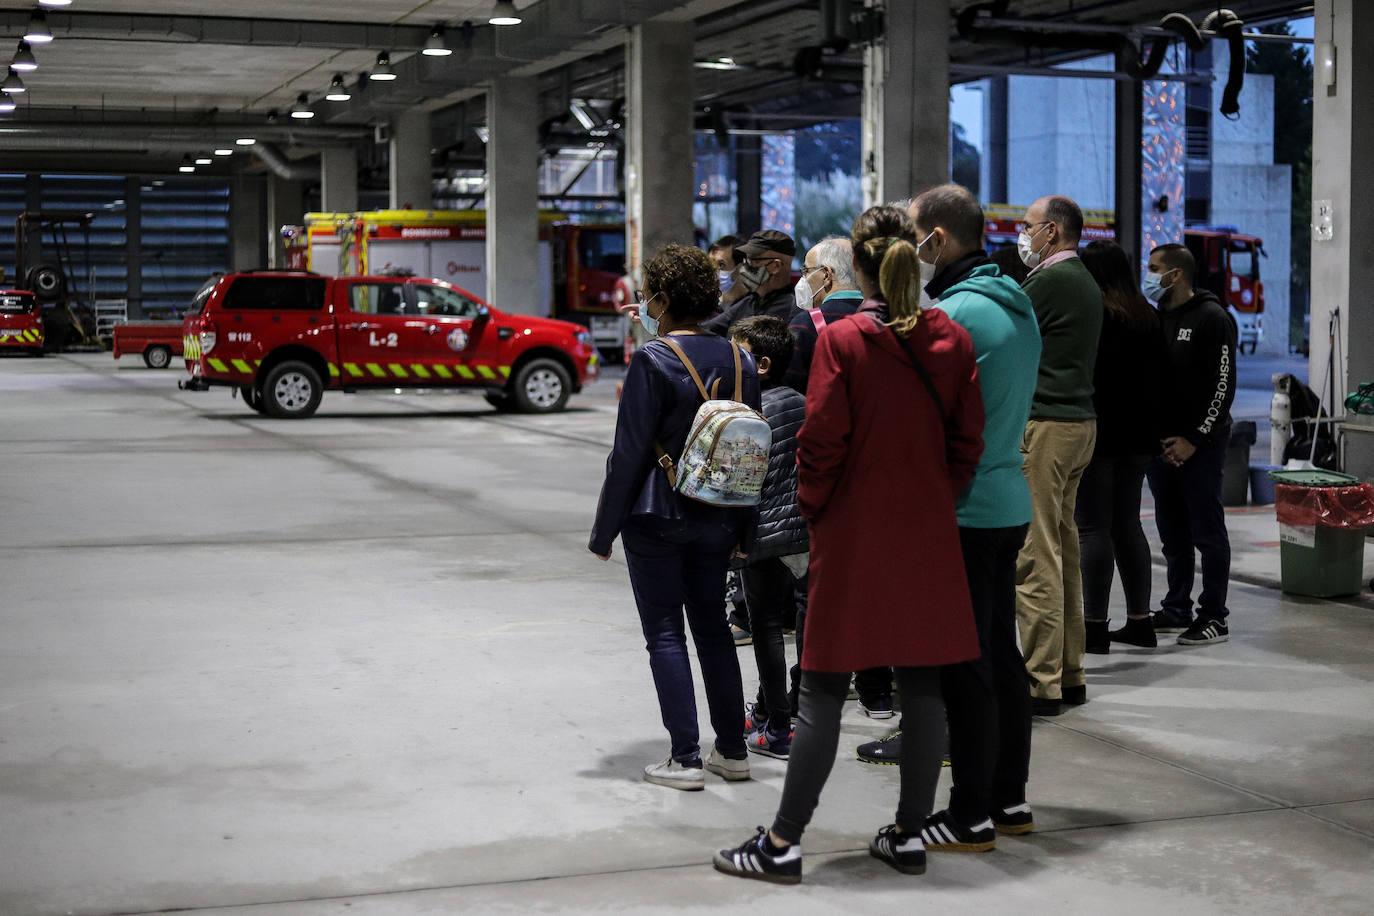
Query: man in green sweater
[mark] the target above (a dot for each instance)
(1057, 446)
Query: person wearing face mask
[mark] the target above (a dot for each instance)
(1200, 384)
(827, 283)
(1056, 448)
(767, 274)
(677, 549)
(724, 254)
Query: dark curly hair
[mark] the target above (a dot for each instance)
(687, 278)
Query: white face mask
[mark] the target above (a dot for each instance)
(802, 295)
(1024, 243)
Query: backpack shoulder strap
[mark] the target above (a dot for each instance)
(691, 369)
(916, 363)
(817, 319)
(739, 373)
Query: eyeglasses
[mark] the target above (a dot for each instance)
(807, 271)
(754, 262)
(640, 298)
(1033, 227)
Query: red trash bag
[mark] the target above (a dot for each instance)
(1349, 508)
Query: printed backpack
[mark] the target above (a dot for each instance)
(725, 457)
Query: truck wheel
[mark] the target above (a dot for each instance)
(291, 391)
(541, 386)
(500, 400)
(158, 356)
(252, 398)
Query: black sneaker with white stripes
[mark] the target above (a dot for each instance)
(1204, 632)
(751, 859)
(942, 833)
(903, 851)
(1014, 820)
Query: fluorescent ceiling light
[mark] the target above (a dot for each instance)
(504, 14)
(224, 152)
(338, 92)
(54, 2)
(245, 141)
(302, 111)
(482, 133)
(6, 104)
(724, 63)
(12, 84)
(583, 115)
(204, 160)
(434, 44)
(38, 32)
(24, 60)
(383, 71)
(186, 165)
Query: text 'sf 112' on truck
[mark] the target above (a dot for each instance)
(283, 337)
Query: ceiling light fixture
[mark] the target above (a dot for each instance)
(302, 111)
(7, 104)
(383, 72)
(338, 92)
(504, 14)
(245, 141)
(54, 2)
(24, 60)
(724, 63)
(224, 152)
(204, 160)
(38, 32)
(12, 84)
(584, 117)
(434, 44)
(186, 165)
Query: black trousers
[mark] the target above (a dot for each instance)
(769, 595)
(1190, 517)
(873, 683)
(987, 703)
(818, 737)
(1110, 535)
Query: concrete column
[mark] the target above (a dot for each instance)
(133, 245)
(247, 219)
(412, 183)
(995, 159)
(514, 282)
(906, 103)
(1343, 185)
(285, 203)
(339, 180)
(660, 158)
(1130, 163)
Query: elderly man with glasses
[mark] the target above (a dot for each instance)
(767, 268)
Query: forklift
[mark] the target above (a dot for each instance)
(69, 320)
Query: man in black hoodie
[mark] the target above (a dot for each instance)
(1200, 384)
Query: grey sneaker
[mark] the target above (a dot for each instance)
(725, 768)
(675, 775)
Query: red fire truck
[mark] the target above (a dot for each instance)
(578, 265)
(21, 322)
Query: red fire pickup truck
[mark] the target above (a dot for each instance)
(158, 341)
(282, 336)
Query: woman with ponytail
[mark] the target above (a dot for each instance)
(893, 431)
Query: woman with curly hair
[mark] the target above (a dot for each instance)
(677, 549)
(893, 432)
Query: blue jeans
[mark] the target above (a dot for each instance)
(1189, 515)
(676, 566)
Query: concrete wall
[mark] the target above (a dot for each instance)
(1059, 139)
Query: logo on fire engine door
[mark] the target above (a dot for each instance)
(458, 339)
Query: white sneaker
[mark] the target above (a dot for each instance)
(724, 767)
(674, 775)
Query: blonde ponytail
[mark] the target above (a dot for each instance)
(899, 278)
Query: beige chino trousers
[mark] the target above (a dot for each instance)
(1049, 583)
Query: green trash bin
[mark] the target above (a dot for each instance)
(1322, 520)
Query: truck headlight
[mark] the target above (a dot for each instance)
(585, 338)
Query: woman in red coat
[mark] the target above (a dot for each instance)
(894, 425)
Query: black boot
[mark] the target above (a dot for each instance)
(1136, 632)
(1098, 643)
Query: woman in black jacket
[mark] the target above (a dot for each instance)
(677, 550)
(1126, 380)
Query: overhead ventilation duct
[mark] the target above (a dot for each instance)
(272, 157)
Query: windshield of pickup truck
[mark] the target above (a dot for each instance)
(11, 304)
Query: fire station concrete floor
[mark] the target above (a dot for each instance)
(364, 663)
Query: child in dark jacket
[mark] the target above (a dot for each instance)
(777, 562)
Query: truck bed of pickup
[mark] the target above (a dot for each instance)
(157, 341)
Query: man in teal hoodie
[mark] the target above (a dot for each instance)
(986, 700)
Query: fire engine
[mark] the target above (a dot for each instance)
(1227, 261)
(21, 322)
(579, 265)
